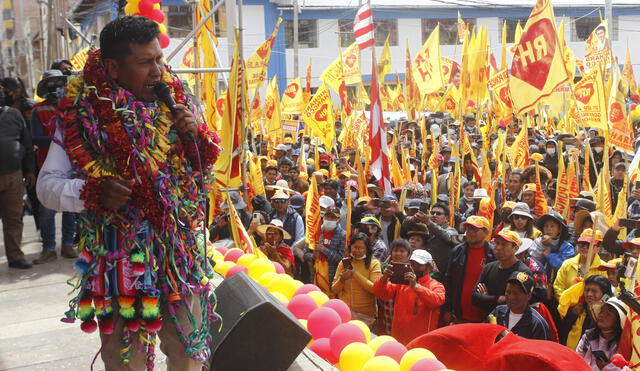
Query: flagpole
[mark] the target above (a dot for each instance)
(243, 141)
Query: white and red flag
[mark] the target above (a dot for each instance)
(363, 27)
(377, 135)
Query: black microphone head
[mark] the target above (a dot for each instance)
(161, 89)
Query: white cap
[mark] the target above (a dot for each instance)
(480, 193)
(421, 257)
(326, 202)
(525, 244)
(281, 147)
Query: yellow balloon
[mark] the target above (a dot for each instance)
(162, 28)
(215, 255)
(223, 267)
(156, 6)
(413, 356)
(365, 329)
(260, 266)
(283, 299)
(266, 278)
(319, 296)
(131, 9)
(381, 363)
(377, 341)
(133, 2)
(284, 284)
(246, 259)
(354, 356)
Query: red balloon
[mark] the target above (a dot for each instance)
(156, 1)
(145, 7)
(235, 269)
(322, 321)
(322, 349)
(427, 364)
(279, 267)
(306, 288)
(618, 360)
(344, 335)
(231, 255)
(341, 308)
(301, 306)
(632, 106)
(222, 250)
(164, 40)
(156, 15)
(392, 349)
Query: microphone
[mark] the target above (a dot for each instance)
(163, 93)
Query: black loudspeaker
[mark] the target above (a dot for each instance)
(258, 332)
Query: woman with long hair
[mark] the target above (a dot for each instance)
(355, 276)
(598, 344)
(521, 222)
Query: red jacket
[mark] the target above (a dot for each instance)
(415, 312)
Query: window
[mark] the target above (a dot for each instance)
(307, 33)
(511, 27)
(345, 27)
(448, 29)
(386, 27)
(178, 20)
(582, 27)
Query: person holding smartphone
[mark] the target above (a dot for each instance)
(600, 343)
(355, 275)
(417, 304)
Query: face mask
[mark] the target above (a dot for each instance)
(329, 225)
(598, 149)
(448, 168)
(306, 147)
(569, 146)
(551, 151)
(362, 258)
(354, 196)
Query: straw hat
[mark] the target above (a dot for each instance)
(275, 223)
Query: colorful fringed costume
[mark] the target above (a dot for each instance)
(150, 253)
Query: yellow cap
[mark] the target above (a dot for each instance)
(478, 222)
(529, 187)
(510, 236)
(585, 236)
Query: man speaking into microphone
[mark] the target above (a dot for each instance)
(128, 164)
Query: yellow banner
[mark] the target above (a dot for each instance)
(318, 115)
(427, 67)
(312, 213)
(538, 63)
(351, 64)
(450, 102)
(598, 48)
(518, 153)
(590, 100)
(257, 64)
(499, 84)
(621, 130)
(292, 99)
(272, 113)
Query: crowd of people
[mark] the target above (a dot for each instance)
(404, 264)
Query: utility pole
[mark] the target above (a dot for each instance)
(43, 34)
(608, 15)
(296, 65)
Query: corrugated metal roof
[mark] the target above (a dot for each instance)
(453, 3)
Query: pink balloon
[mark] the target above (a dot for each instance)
(231, 255)
(279, 267)
(156, 1)
(427, 364)
(164, 40)
(323, 350)
(632, 106)
(306, 288)
(222, 250)
(341, 308)
(156, 15)
(235, 269)
(392, 349)
(301, 306)
(322, 321)
(344, 335)
(145, 7)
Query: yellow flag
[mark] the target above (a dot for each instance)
(538, 64)
(517, 34)
(427, 67)
(569, 57)
(499, 85)
(621, 206)
(255, 175)
(78, 60)
(567, 186)
(351, 64)
(503, 61)
(292, 99)
(454, 185)
(256, 115)
(228, 166)
(318, 115)
(384, 63)
(463, 29)
(603, 193)
(598, 48)
(627, 74)
(518, 153)
(586, 180)
(590, 100)
(272, 113)
(621, 130)
(257, 64)
(450, 102)
(312, 213)
(541, 206)
(363, 97)
(207, 41)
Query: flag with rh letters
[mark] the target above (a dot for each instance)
(620, 129)
(590, 101)
(257, 64)
(538, 64)
(318, 115)
(450, 102)
(272, 113)
(292, 99)
(427, 67)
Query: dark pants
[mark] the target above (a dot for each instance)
(11, 193)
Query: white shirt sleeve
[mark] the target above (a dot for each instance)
(55, 189)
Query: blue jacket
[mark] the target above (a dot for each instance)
(530, 326)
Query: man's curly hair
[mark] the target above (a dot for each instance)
(116, 36)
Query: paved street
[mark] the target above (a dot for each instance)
(31, 304)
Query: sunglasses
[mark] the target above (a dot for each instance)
(437, 213)
(279, 201)
(519, 217)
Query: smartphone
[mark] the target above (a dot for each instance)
(257, 217)
(628, 223)
(600, 355)
(383, 204)
(629, 263)
(399, 269)
(637, 185)
(347, 264)
(424, 207)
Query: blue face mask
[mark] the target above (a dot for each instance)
(329, 225)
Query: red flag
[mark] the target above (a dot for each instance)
(377, 135)
(363, 27)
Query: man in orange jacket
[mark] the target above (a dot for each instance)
(417, 303)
